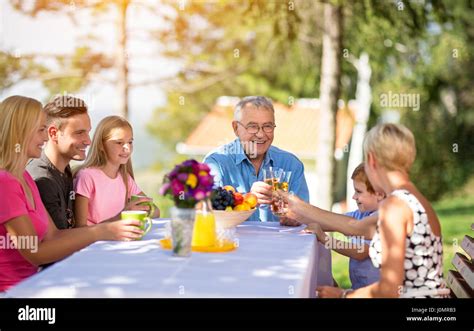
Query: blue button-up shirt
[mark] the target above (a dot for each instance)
(230, 166)
(362, 272)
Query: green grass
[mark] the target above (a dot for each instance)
(456, 214)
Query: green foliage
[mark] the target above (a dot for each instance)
(273, 48)
(76, 71)
(70, 73)
(235, 52)
(444, 126)
(279, 53)
(15, 68)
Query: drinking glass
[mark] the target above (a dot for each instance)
(278, 205)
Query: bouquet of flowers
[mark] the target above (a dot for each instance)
(188, 183)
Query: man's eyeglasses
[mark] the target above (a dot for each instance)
(254, 128)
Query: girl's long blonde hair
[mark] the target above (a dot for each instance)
(97, 156)
(19, 119)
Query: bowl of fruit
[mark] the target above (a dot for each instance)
(232, 208)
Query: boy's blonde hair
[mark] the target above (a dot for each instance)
(360, 175)
(97, 156)
(19, 119)
(393, 146)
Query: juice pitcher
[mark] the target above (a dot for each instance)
(204, 234)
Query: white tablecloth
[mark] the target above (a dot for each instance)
(271, 261)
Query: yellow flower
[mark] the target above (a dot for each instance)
(192, 181)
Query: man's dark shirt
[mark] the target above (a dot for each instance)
(56, 190)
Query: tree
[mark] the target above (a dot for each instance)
(275, 48)
(86, 65)
(444, 125)
(290, 36)
(14, 68)
(329, 96)
(234, 51)
(363, 103)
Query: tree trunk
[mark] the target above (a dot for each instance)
(329, 95)
(363, 101)
(122, 60)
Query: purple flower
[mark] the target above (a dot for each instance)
(204, 167)
(189, 163)
(182, 177)
(177, 187)
(199, 194)
(188, 183)
(164, 189)
(205, 181)
(173, 172)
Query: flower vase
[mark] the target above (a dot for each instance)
(182, 224)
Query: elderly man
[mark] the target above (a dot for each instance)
(240, 162)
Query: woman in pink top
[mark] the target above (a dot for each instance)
(104, 183)
(28, 236)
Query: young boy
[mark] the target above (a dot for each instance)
(361, 270)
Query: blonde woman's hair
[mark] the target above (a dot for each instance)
(19, 118)
(97, 156)
(393, 146)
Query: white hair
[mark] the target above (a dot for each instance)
(256, 101)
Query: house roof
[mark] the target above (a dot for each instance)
(296, 131)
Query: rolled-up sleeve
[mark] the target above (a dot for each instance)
(298, 184)
(216, 170)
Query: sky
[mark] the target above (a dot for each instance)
(57, 34)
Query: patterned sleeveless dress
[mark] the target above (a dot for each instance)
(423, 252)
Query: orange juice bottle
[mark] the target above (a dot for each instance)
(204, 234)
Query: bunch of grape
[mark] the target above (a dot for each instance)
(221, 199)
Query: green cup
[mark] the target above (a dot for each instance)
(140, 215)
(146, 203)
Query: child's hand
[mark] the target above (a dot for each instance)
(288, 221)
(328, 292)
(120, 230)
(318, 231)
(293, 204)
(135, 205)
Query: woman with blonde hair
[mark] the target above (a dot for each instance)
(406, 235)
(30, 236)
(105, 182)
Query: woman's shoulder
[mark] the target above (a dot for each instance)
(6, 178)
(393, 205)
(6, 175)
(10, 184)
